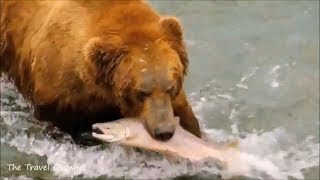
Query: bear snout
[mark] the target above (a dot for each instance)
(164, 133)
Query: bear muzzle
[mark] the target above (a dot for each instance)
(164, 133)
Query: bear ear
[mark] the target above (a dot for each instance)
(105, 55)
(172, 27)
(173, 30)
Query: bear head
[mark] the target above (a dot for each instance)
(145, 68)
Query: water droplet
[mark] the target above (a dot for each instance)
(275, 84)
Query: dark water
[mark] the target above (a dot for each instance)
(254, 73)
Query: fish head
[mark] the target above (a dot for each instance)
(110, 131)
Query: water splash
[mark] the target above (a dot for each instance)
(264, 154)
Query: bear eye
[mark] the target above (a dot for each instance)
(171, 90)
(142, 95)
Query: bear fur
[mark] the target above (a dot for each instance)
(80, 62)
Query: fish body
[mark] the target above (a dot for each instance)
(131, 132)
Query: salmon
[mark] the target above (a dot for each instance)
(131, 132)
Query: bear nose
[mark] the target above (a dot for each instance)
(164, 134)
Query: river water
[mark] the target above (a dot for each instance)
(254, 74)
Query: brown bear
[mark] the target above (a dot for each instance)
(81, 62)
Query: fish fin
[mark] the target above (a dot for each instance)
(171, 158)
(233, 143)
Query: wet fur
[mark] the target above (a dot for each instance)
(65, 64)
